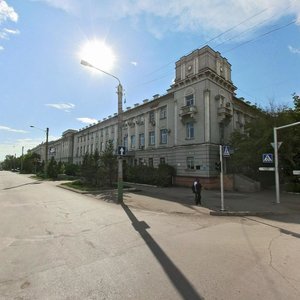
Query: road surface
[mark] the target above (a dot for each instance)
(57, 244)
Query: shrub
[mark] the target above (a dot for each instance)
(292, 187)
(165, 175)
(71, 169)
(161, 176)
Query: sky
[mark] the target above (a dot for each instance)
(43, 84)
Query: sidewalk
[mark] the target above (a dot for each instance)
(181, 200)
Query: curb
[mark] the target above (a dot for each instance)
(245, 213)
(94, 192)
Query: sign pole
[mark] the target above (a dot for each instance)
(276, 166)
(221, 178)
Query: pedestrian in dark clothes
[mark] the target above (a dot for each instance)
(196, 187)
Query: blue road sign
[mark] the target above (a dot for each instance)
(267, 158)
(226, 152)
(121, 150)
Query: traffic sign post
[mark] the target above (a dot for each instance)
(276, 147)
(221, 177)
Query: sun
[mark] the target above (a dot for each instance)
(98, 54)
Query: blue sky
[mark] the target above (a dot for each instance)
(43, 84)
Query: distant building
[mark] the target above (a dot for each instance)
(182, 128)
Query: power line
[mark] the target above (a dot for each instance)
(223, 33)
(262, 35)
(214, 38)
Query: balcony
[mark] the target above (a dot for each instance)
(224, 113)
(187, 112)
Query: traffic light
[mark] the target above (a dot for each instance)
(218, 166)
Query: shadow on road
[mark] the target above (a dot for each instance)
(180, 282)
(14, 187)
(282, 230)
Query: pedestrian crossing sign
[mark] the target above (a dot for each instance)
(226, 152)
(267, 158)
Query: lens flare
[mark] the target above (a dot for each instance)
(98, 54)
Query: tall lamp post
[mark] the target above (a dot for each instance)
(46, 147)
(120, 120)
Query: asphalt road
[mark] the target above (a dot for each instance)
(56, 244)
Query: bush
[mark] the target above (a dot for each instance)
(165, 175)
(161, 176)
(71, 169)
(293, 187)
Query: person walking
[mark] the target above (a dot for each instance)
(197, 187)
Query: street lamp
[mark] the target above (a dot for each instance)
(46, 148)
(120, 120)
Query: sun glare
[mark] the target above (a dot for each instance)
(98, 54)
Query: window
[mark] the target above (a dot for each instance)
(141, 161)
(162, 160)
(151, 117)
(190, 162)
(132, 141)
(141, 140)
(77, 152)
(151, 138)
(150, 162)
(189, 130)
(102, 146)
(189, 100)
(92, 148)
(163, 112)
(163, 136)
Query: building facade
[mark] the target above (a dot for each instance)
(182, 128)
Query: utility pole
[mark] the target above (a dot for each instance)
(21, 169)
(221, 178)
(120, 120)
(46, 152)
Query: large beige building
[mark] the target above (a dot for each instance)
(183, 128)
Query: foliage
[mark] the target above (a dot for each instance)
(141, 174)
(107, 172)
(71, 169)
(100, 169)
(258, 136)
(165, 174)
(53, 169)
(161, 176)
(9, 163)
(89, 169)
(31, 163)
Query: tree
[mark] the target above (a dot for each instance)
(31, 163)
(53, 169)
(88, 171)
(107, 173)
(256, 140)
